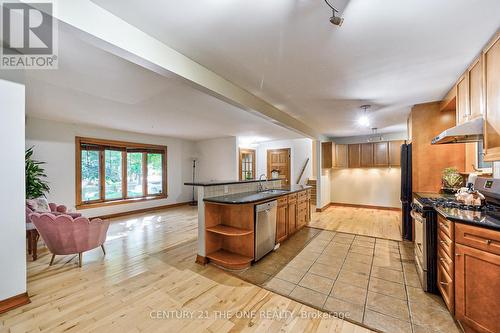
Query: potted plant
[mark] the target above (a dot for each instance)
(36, 185)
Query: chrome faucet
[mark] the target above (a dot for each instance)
(261, 188)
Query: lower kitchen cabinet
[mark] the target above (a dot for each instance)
(477, 289)
(477, 278)
(282, 219)
(292, 214)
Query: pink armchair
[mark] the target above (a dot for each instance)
(65, 235)
(32, 233)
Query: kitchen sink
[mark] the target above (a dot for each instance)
(274, 191)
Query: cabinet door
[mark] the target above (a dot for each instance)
(381, 154)
(340, 156)
(281, 222)
(292, 217)
(395, 152)
(476, 89)
(491, 63)
(355, 156)
(327, 155)
(477, 289)
(462, 99)
(367, 155)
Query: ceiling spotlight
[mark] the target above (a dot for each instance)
(335, 20)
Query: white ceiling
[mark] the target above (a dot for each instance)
(97, 88)
(389, 53)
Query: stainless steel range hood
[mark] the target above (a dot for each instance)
(471, 131)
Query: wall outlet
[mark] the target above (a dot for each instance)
(226, 189)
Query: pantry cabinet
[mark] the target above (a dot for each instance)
(491, 81)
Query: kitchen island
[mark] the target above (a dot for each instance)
(227, 223)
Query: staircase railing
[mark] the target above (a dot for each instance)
(302, 171)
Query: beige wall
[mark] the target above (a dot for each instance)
(373, 186)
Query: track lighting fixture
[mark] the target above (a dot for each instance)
(335, 20)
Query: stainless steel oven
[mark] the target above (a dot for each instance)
(420, 245)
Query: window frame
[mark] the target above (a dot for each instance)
(102, 145)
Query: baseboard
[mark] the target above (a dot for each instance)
(14, 302)
(321, 209)
(201, 260)
(140, 211)
(340, 204)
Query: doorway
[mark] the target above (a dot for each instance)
(278, 160)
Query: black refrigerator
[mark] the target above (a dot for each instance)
(406, 191)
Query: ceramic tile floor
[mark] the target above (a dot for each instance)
(372, 279)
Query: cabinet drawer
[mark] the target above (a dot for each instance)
(446, 287)
(282, 201)
(308, 194)
(446, 226)
(302, 195)
(446, 261)
(445, 243)
(479, 238)
(292, 197)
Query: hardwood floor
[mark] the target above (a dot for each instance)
(360, 221)
(146, 281)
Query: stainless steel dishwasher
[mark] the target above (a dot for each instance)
(265, 228)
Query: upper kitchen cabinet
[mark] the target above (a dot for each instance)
(475, 81)
(327, 155)
(354, 155)
(491, 82)
(462, 99)
(381, 154)
(366, 155)
(395, 152)
(341, 160)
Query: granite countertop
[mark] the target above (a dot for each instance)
(227, 182)
(475, 218)
(251, 197)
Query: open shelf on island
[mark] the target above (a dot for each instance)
(229, 259)
(228, 230)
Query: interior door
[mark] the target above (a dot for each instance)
(279, 160)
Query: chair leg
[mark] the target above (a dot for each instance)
(103, 249)
(34, 245)
(28, 236)
(52, 260)
(80, 259)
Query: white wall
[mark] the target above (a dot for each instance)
(217, 159)
(55, 144)
(12, 223)
(373, 186)
(300, 149)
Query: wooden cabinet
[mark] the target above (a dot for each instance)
(282, 219)
(341, 160)
(445, 268)
(477, 289)
(367, 155)
(462, 99)
(292, 213)
(491, 81)
(381, 154)
(327, 155)
(395, 152)
(354, 156)
(475, 89)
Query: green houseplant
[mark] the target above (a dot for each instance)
(36, 185)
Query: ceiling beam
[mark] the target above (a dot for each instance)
(115, 35)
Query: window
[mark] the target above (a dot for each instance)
(247, 164)
(111, 172)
